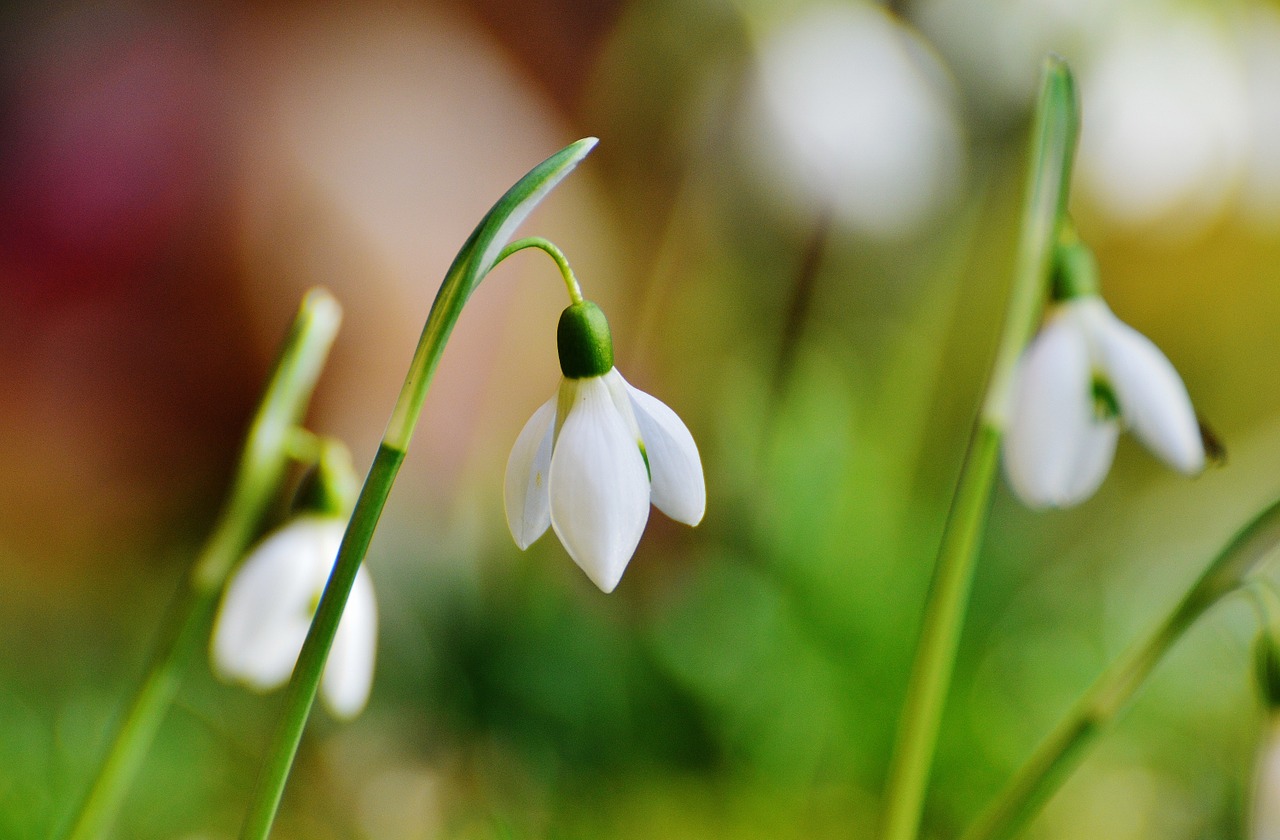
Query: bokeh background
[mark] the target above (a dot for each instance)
(801, 220)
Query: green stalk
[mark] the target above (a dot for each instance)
(185, 629)
(1052, 147)
(478, 255)
(1053, 761)
(553, 251)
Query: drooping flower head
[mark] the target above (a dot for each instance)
(267, 609)
(592, 458)
(1081, 380)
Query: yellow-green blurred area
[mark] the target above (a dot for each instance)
(801, 220)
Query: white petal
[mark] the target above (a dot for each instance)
(1153, 401)
(348, 673)
(525, 493)
(267, 606)
(679, 489)
(599, 486)
(1056, 451)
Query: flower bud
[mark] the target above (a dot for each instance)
(330, 487)
(584, 341)
(1075, 271)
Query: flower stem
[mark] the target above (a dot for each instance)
(481, 252)
(562, 262)
(1052, 146)
(256, 485)
(1051, 763)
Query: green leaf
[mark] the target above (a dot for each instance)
(473, 262)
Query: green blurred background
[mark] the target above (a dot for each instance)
(801, 220)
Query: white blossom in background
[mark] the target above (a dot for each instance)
(588, 464)
(1165, 139)
(267, 609)
(853, 114)
(1080, 381)
(997, 47)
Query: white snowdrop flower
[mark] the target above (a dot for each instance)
(853, 113)
(1081, 379)
(592, 458)
(267, 609)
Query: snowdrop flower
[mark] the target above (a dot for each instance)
(593, 457)
(267, 609)
(1083, 378)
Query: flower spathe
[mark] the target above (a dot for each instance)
(1083, 378)
(267, 609)
(592, 459)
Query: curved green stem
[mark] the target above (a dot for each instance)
(562, 262)
(482, 250)
(1049, 766)
(185, 629)
(1052, 146)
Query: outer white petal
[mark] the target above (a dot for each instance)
(1056, 452)
(525, 491)
(675, 467)
(348, 673)
(1153, 401)
(599, 486)
(267, 607)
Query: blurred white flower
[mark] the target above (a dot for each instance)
(589, 462)
(1083, 377)
(1165, 134)
(267, 609)
(997, 47)
(854, 114)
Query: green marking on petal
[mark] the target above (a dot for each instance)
(1105, 404)
(644, 453)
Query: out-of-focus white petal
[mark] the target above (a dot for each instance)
(525, 491)
(852, 111)
(348, 673)
(1153, 401)
(599, 486)
(1095, 450)
(1167, 134)
(678, 488)
(1056, 450)
(267, 606)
